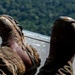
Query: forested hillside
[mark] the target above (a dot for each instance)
(37, 15)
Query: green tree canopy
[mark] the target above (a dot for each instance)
(37, 15)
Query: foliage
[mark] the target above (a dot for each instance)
(37, 15)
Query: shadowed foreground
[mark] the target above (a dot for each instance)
(16, 56)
